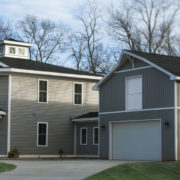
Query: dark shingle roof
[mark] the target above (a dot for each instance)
(88, 115)
(169, 63)
(38, 66)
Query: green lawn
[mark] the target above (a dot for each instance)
(6, 167)
(141, 171)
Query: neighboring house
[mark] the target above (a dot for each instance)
(38, 102)
(139, 108)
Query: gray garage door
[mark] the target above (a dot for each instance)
(136, 140)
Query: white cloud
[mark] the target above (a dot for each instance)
(52, 9)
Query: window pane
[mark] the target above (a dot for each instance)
(42, 128)
(43, 85)
(78, 99)
(12, 50)
(42, 96)
(83, 136)
(96, 136)
(42, 140)
(42, 131)
(78, 88)
(21, 51)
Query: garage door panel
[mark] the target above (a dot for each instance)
(136, 140)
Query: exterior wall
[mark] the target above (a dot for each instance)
(58, 112)
(88, 149)
(3, 121)
(158, 92)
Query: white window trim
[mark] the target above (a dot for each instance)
(94, 135)
(126, 106)
(38, 91)
(81, 136)
(17, 51)
(46, 134)
(74, 94)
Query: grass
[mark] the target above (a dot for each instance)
(6, 167)
(141, 171)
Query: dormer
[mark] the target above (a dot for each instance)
(14, 49)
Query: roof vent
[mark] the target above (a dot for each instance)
(14, 49)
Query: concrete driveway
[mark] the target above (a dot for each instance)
(55, 169)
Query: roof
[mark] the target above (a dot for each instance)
(25, 64)
(90, 116)
(170, 65)
(11, 39)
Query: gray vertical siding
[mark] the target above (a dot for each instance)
(59, 111)
(157, 92)
(3, 121)
(88, 149)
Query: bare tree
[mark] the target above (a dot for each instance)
(87, 48)
(144, 25)
(77, 50)
(48, 37)
(6, 31)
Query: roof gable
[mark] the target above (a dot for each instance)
(169, 65)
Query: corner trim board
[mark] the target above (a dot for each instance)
(9, 115)
(175, 121)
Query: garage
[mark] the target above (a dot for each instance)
(135, 140)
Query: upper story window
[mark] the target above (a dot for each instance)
(83, 136)
(134, 93)
(43, 91)
(22, 51)
(95, 135)
(42, 134)
(77, 93)
(12, 50)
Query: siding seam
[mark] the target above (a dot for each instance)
(137, 110)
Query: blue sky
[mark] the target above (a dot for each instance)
(63, 10)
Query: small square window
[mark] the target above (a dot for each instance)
(21, 51)
(12, 50)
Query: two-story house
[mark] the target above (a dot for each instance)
(139, 108)
(43, 107)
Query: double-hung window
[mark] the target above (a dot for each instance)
(77, 93)
(134, 93)
(43, 96)
(83, 136)
(95, 135)
(42, 136)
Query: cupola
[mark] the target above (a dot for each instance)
(14, 49)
